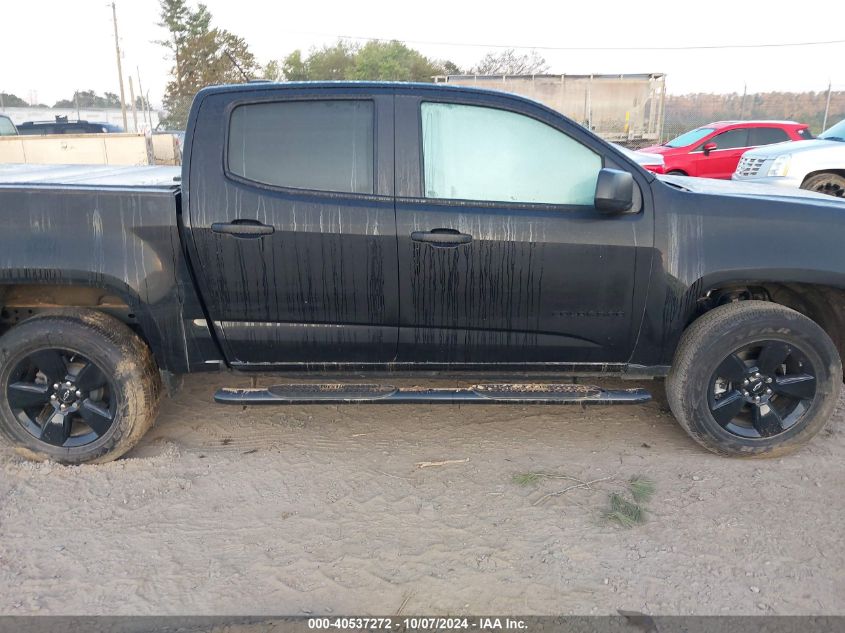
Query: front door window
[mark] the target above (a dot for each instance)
(478, 153)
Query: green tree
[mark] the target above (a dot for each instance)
(375, 60)
(450, 68)
(273, 71)
(12, 101)
(393, 61)
(293, 68)
(331, 62)
(203, 56)
(89, 99)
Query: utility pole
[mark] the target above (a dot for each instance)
(119, 67)
(827, 106)
(742, 107)
(134, 109)
(144, 101)
(149, 111)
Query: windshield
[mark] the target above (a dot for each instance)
(688, 138)
(835, 133)
(6, 127)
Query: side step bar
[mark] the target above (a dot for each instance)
(385, 394)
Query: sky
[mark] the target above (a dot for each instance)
(67, 45)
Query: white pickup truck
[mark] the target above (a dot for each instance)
(817, 164)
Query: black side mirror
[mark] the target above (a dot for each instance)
(614, 191)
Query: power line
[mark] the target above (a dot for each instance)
(577, 48)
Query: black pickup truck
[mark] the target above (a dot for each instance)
(341, 229)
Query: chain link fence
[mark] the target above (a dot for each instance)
(819, 109)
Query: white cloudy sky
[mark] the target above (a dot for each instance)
(64, 45)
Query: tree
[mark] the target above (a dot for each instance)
(375, 60)
(331, 63)
(293, 68)
(508, 62)
(89, 99)
(450, 68)
(12, 101)
(273, 71)
(203, 56)
(393, 61)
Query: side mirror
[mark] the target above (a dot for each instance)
(709, 147)
(614, 191)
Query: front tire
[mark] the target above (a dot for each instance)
(827, 183)
(754, 378)
(76, 386)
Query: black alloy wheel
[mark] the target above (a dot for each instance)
(762, 389)
(754, 379)
(61, 398)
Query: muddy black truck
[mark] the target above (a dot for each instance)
(383, 230)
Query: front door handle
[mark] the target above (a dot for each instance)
(442, 237)
(242, 228)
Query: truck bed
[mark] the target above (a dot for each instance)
(111, 228)
(90, 176)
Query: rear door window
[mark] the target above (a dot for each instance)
(318, 145)
(766, 136)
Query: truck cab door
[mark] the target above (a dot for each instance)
(292, 224)
(503, 257)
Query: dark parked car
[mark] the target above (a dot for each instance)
(347, 229)
(61, 125)
(7, 128)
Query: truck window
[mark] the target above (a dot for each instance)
(6, 127)
(320, 145)
(766, 136)
(479, 153)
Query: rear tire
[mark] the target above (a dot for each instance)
(76, 386)
(754, 379)
(827, 183)
(675, 172)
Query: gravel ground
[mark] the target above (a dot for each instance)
(326, 510)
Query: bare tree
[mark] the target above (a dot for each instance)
(509, 62)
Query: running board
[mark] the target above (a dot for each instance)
(385, 394)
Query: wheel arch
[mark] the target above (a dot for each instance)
(819, 172)
(823, 303)
(25, 297)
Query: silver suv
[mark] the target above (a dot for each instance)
(816, 165)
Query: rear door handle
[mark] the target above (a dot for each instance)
(442, 237)
(243, 228)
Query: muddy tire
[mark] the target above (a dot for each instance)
(76, 386)
(828, 183)
(754, 379)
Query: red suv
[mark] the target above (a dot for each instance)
(713, 150)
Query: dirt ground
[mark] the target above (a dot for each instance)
(324, 510)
